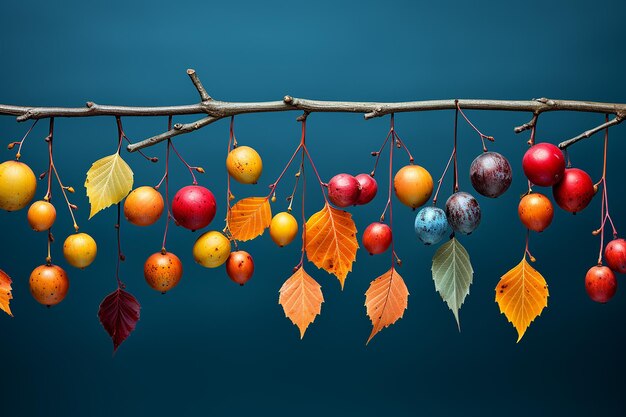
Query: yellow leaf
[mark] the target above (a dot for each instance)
(522, 294)
(301, 298)
(5, 293)
(331, 241)
(109, 180)
(385, 300)
(249, 218)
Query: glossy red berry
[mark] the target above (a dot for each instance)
(193, 207)
(240, 267)
(369, 188)
(575, 191)
(343, 190)
(543, 164)
(377, 238)
(600, 284)
(615, 255)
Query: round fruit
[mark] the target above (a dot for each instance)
(49, 284)
(240, 267)
(283, 228)
(369, 188)
(211, 249)
(244, 165)
(575, 191)
(343, 190)
(463, 212)
(193, 207)
(600, 284)
(377, 238)
(491, 174)
(535, 211)
(615, 255)
(413, 185)
(544, 164)
(162, 271)
(41, 215)
(143, 206)
(80, 250)
(431, 225)
(17, 185)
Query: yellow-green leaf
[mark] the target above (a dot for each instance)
(522, 294)
(109, 180)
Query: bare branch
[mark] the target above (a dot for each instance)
(526, 126)
(586, 134)
(178, 129)
(204, 96)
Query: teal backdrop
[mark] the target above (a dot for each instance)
(210, 347)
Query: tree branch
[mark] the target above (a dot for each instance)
(586, 134)
(218, 109)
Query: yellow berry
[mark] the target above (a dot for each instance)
(17, 185)
(413, 185)
(244, 165)
(211, 249)
(80, 250)
(283, 228)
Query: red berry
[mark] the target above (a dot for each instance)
(240, 267)
(377, 238)
(343, 190)
(600, 284)
(193, 207)
(575, 191)
(615, 255)
(544, 164)
(369, 188)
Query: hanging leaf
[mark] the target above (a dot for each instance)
(249, 218)
(522, 294)
(301, 298)
(331, 241)
(385, 300)
(5, 293)
(119, 313)
(452, 274)
(109, 180)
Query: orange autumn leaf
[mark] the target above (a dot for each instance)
(385, 300)
(249, 218)
(331, 241)
(522, 294)
(301, 298)
(5, 293)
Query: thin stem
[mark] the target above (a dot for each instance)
(455, 188)
(482, 136)
(443, 175)
(120, 129)
(400, 143)
(49, 139)
(319, 179)
(295, 186)
(71, 207)
(18, 155)
(526, 250)
(303, 216)
(166, 176)
(377, 154)
(120, 255)
(50, 239)
(604, 210)
(189, 167)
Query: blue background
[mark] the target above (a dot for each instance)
(212, 348)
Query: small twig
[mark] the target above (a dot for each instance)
(204, 96)
(617, 120)
(529, 125)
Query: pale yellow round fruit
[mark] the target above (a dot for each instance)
(244, 165)
(283, 228)
(17, 185)
(80, 250)
(41, 215)
(211, 249)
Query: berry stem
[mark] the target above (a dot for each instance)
(526, 250)
(295, 187)
(604, 210)
(166, 177)
(482, 136)
(189, 167)
(232, 141)
(302, 175)
(443, 175)
(455, 187)
(377, 154)
(120, 255)
(301, 145)
(18, 155)
(120, 129)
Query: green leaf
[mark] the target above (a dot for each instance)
(109, 180)
(452, 273)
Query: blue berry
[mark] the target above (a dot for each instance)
(431, 225)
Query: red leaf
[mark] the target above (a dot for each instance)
(119, 313)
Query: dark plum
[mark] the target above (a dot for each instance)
(491, 174)
(343, 190)
(431, 225)
(463, 212)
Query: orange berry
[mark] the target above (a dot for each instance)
(143, 206)
(163, 271)
(535, 211)
(49, 284)
(80, 250)
(413, 185)
(41, 215)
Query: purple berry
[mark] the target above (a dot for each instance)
(463, 212)
(491, 174)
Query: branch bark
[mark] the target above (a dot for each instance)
(214, 110)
